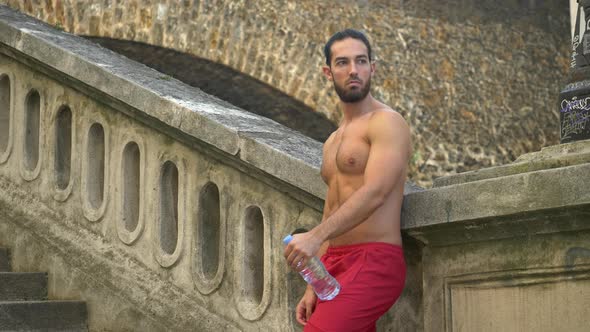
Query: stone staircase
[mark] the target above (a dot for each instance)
(24, 305)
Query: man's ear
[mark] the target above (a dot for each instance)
(327, 72)
(373, 67)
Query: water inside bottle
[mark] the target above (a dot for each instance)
(323, 284)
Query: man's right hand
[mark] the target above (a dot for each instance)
(306, 306)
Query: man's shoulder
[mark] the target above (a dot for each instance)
(331, 137)
(382, 110)
(387, 125)
(386, 115)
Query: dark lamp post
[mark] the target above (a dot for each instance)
(574, 99)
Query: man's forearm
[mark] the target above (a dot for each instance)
(358, 207)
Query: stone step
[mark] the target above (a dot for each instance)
(16, 286)
(4, 260)
(43, 316)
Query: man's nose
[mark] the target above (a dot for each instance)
(353, 69)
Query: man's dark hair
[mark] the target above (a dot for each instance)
(341, 35)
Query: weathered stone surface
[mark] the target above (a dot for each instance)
(506, 248)
(82, 263)
(519, 283)
(170, 102)
(16, 286)
(149, 277)
(550, 157)
(476, 81)
(4, 260)
(513, 199)
(227, 84)
(43, 315)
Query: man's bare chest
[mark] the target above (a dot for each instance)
(346, 154)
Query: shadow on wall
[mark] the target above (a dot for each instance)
(227, 84)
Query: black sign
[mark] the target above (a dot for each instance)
(574, 118)
(574, 100)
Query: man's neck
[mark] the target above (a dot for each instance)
(352, 111)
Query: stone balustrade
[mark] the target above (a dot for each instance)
(161, 206)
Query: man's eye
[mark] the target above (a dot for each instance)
(362, 61)
(340, 63)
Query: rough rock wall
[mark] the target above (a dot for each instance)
(476, 80)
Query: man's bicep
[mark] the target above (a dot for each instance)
(385, 168)
(389, 154)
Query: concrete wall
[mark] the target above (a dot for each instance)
(477, 80)
(507, 248)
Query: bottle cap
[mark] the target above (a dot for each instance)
(287, 239)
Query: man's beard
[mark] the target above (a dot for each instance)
(353, 96)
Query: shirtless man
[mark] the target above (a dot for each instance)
(364, 165)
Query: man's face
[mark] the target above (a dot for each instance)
(350, 69)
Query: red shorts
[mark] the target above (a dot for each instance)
(371, 277)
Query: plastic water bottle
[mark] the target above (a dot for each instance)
(314, 273)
